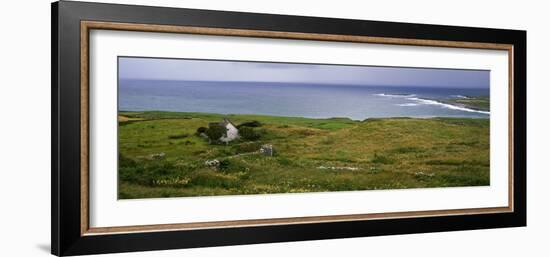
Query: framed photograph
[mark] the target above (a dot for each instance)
(177, 128)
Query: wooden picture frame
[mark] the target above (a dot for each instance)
(71, 25)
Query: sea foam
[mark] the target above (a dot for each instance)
(445, 105)
(408, 104)
(394, 95)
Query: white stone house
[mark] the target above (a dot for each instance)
(231, 132)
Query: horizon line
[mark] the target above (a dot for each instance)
(303, 83)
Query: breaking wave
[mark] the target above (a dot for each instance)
(416, 101)
(396, 95)
(408, 104)
(445, 105)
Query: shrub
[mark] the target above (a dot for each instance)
(249, 133)
(252, 124)
(214, 133)
(247, 147)
(224, 164)
(201, 130)
(232, 166)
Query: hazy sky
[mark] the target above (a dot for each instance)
(208, 70)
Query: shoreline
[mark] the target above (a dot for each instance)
(477, 104)
(221, 115)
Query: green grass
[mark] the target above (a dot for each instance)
(393, 153)
(481, 103)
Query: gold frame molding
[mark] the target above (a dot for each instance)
(86, 26)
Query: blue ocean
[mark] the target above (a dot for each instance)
(295, 99)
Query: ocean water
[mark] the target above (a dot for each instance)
(295, 100)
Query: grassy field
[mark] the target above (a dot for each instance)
(161, 155)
